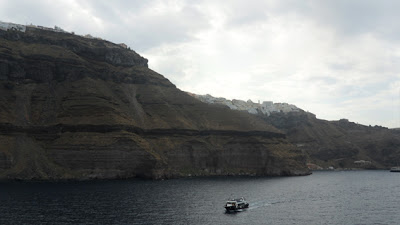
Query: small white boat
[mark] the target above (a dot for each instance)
(395, 169)
(236, 204)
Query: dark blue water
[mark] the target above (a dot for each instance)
(352, 197)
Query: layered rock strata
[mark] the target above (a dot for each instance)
(327, 144)
(79, 108)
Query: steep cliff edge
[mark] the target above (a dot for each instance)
(81, 108)
(338, 144)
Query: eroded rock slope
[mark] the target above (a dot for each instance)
(79, 108)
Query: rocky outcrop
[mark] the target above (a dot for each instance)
(82, 108)
(340, 144)
(327, 144)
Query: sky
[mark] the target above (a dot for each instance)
(334, 58)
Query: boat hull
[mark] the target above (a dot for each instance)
(236, 204)
(236, 208)
(395, 169)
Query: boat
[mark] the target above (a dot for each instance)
(395, 169)
(236, 204)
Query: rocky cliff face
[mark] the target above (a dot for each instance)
(337, 144)
(79, 108)
(340, 144)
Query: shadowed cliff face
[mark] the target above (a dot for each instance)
(77, 108)
(340, 143)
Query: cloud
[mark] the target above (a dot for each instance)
(337, 59)
(153, 23)
(349, 18)
(291, 57)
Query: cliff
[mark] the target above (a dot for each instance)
(338, 144)
(82, 108)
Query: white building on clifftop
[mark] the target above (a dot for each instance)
(12, 26)
(266, 108)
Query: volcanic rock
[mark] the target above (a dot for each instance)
(82, 108)
(327, 144)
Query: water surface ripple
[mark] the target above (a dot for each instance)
(350, 197)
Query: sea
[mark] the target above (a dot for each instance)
(325, 197)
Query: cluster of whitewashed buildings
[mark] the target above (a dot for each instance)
(12, 26)
(18, 27)
(267, 107)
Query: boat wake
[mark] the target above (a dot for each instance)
(261, 204)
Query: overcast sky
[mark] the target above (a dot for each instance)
(334, 58)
